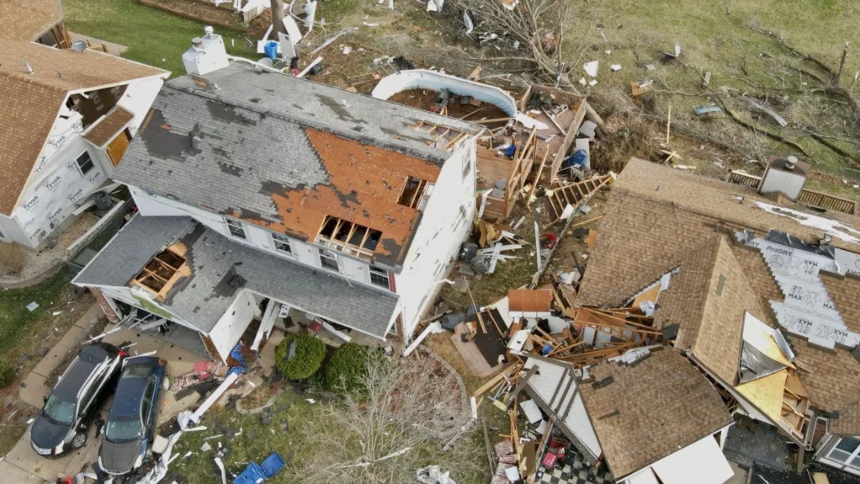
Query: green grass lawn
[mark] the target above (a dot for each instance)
(17, 324)
(153, 36)
(715, 37)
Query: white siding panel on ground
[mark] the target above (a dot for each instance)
(233, 323)
(701, 462)
(645, 476)
(551, 376)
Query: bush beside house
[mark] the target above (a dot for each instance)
(7, 374)
(306, 359)
(347, 366)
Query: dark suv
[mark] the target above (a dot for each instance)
(76, 400)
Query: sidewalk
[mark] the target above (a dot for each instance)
(35, 390)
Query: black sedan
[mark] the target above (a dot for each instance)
(76, 400)
(130, 426)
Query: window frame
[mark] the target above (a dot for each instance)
(80, 166)
(852, 456)
(238, 225)
(380, 273)
(325, 254)
(281, 239)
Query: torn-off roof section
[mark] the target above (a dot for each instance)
(652, 408)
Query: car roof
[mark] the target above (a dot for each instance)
(80, 371)
(128, 396)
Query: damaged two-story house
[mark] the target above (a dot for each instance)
(68, 113)
(264, 196)
(758, 291)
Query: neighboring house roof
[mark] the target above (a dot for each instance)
(284, 153)
(215, 261)
(107, 127)
(651, 408)
(707, 298)
(656, 214)
(657, 219)
(27, 20)
(30, 103)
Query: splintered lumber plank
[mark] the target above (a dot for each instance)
(490, 314)
(512, 366)
(481, 321)
(522, 384)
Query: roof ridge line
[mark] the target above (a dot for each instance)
(304, 123)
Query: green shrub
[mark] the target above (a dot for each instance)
(309, 355)
(347, 365)
(7, 374)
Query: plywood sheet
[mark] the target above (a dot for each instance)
(766, 393)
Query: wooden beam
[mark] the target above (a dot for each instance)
(520, 385)
(511, 368)
(537, 177)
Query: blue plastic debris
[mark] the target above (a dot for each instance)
(256, 473)
(271, 49)
(510, 150)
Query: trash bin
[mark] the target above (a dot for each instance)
(271, 49)
(102, 200)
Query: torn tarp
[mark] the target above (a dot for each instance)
(755, 364)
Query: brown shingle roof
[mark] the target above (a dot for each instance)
(27, 20)
(848, 420)
(107, 127)
(651, 409)
(656, 213)
(832, 378)
(29, 103)
(708, 298)
(656, 216)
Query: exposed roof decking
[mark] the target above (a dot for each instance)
(287, 159)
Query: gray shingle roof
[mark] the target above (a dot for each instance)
(218, 264)
(132, 248)
(251, 140)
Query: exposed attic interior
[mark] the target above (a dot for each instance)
(416, 192)
(441, 137)
(95, 104)
(163, 271)
(56, 36)
(349, 238)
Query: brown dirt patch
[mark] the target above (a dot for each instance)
(203, 11)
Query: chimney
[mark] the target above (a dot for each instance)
(207, 54)
(784, 175)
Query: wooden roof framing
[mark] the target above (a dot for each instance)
(574, 194)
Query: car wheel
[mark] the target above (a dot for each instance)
(79, 440)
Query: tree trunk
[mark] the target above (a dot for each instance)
(277, 19)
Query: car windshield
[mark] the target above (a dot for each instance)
(60, 411)
(123, 429)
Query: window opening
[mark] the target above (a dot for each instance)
(328, 259)
(379, 276)
(237, 229)
(84, 162)
(282, 243)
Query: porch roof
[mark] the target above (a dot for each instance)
(221, 268)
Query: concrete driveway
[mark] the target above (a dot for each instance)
(22, 464)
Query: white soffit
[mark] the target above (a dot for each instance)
(701, 462)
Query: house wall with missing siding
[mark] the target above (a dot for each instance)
(56, 187)
(140, 299)
(258, 237)
(446, 220)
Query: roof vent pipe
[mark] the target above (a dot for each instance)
(29, 68)
(209, 30)
(790, 163)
